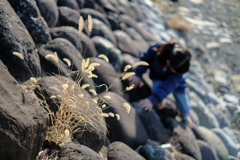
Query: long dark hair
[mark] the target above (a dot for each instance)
(179, 57)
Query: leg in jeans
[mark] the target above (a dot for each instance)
(182, 103)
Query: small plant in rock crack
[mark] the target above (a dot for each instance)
(74, 108)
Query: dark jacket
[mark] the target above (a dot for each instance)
(170, 81)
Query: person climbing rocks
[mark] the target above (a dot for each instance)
(168, 63)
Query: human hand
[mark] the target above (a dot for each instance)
(135, 80)
(146, 103)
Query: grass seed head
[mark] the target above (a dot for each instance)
(81, 24)
(87, 62)
(104, 114)
(103, 57)
(107, 97)
(52, 97)
(140, 63)
(111, 114)
(85, 86)
(117, 116)
(103, 106)
(33, 80)
(93, 92)
(52, 56)
(127, 107)
(90, 24)
(67, 61)
(130, 87)
(126, 76)
(127, 67)
(95, 101)
(18, 55)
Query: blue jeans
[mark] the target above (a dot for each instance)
(182, 100)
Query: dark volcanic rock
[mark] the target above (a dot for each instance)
(80, 3)
(215, 142)
(102, 30)
(180, 156)
(151, 152)
(103, 46)
(95, 14)
(15, 38)
(68, 17)
(81, 41)
(129, 129)
(206, 151)
(184, 141)
(154, 127)
(69, 3)
(120, 151)
(124, 43)
(71, 151)
(28, 12)
(24, 122)
(49, 11)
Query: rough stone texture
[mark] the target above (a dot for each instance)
(130, 22)
(95, 130)
(15, 38)
(68, 17)
(49, 11)
(103, 46)
(151, 152)
(124, 43)
(154, 127)
(180, 156)
(184, 141)
(228, 142)
(29, 13)
(81, 41)
(129, 129)
(69, 3)
(95, 14)
(24, 122)
(206, 151)
(73, 151)
(120, 151)
(215, 142)
(102, 30)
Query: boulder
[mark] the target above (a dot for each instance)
(15, 38)
(120, 151)
(49, 11)
(81, 41)
(184, 141)
(206, 151)
(95, 14)
(69, 3)
(154, 127)
(113, 20)
(29, 14)
(124, 43)
(180, 156)
(138, 15)
(130, 22)
(151, 152)
(215, 142)
(235, 120)
(68, 17)
(80, 3)
(228, 142)
(92, 131)
(103, 46)
(102, 30)
(194, 117)
(24, 121)
(71, 151)
(129, 129)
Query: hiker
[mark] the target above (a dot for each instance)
(168, 63)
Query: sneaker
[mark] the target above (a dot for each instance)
(187, 121)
